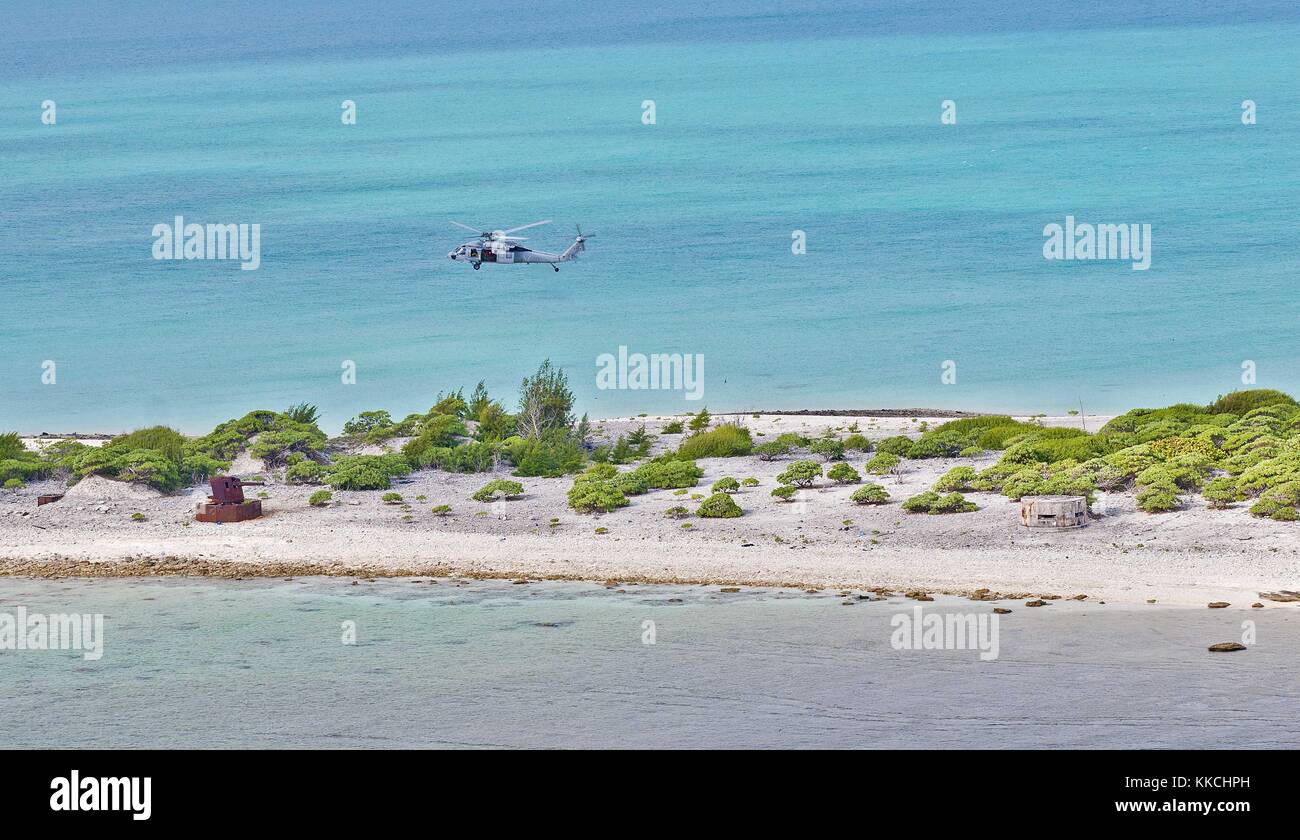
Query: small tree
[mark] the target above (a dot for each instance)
(726, 484)
(545, 402)
(700, 421)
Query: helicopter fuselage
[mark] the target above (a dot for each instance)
(507, 253)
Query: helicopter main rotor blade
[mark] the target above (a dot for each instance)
(526, 227)
(479, 231)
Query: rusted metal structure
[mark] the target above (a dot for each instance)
(1053, 512)
(47, 498)
(227, 502)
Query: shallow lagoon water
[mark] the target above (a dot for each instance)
(260, 663)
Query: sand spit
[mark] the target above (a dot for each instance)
(822, 540)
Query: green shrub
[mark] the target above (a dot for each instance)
(498, 488)
(366, 422)
(785, 492)
(11, 447)
(1221, 492)
(971, 452)
(1023, 482)
(749, 482)
(828, 448)
(320, 498)
(701, 421)
(921, 502)
(938, 444)
(771, 451)
(719, 506)
(842, 473)
(724, 441)
(669, 474)
(792, 440)
(801, 473)
(870, 494)
(305, 472)
(558, 452)
(472, 457)
(1240, 402)
(957, 478)
(952, 503)
(898, 446)
(438, 431)
(440, 510)
(932, 502)
(1278, 502)
(672, 427)
(366, 472)
(275, 446)
(14, 484)
(726, 484)
(149, 466)
(595, 495)
(391, 498)
(857, 443)
(1157, 498)
(883, 463)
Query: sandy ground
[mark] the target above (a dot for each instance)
(1191, 557)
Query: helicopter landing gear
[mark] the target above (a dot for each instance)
(476, 265)
(556, 267)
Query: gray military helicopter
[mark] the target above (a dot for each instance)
(498, 246)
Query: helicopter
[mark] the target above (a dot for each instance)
(498, 246)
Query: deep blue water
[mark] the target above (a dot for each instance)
(924, 240)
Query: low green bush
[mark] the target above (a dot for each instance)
(719, 506)
(842, 473)
(320, 498)
(727, 484)
(801, 473)
(883, 463)
(828, 448)
(957, 478)
(724, 441)
(898, 446)
(305, 472)
(932, 502)
(366, 472)
(857, 443)
(771, 451)
(501, 488)
(1221, 492)
(785, 492)
(870, 494)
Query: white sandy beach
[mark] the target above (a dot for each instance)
(1192, 557)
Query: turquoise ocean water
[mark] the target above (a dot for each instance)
(924, 240)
